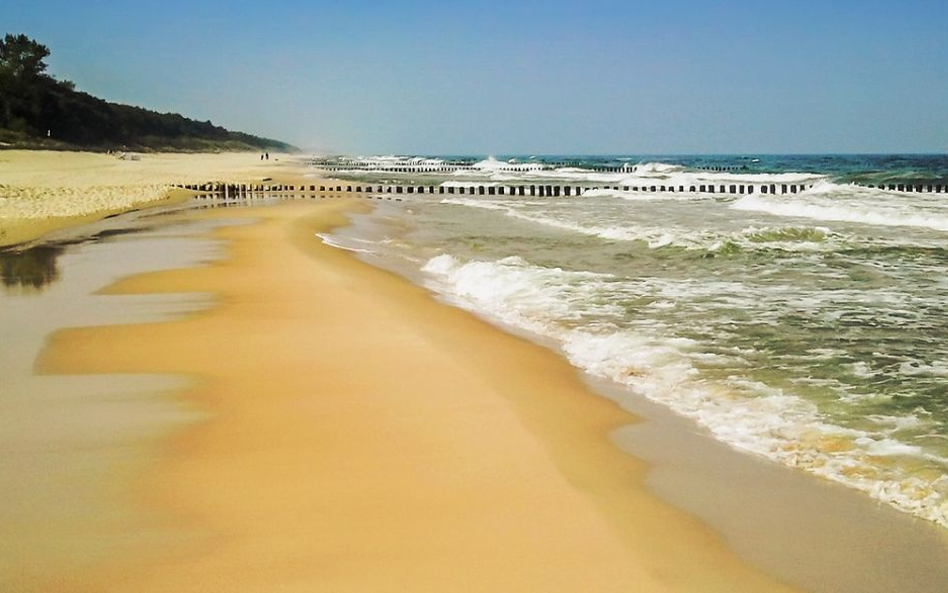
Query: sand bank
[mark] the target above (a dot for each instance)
(362, 437)
(45, 191)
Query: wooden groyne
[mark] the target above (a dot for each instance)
(227, 190)
(249, 190)
(914, 187)
(453, 166)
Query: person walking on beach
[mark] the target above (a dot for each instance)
(268, 155)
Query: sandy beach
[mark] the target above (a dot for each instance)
(363, 304)
(45, 191)
(212, 399)
(360, 436)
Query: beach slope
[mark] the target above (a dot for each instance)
(360, 436)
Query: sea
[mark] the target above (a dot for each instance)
(808, 328)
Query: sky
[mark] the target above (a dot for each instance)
(555, 77)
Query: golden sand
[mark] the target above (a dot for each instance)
(362, 437)
(45, 191)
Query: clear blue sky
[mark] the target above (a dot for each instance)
(669, 76)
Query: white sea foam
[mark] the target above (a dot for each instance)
(800, 302)
(394, 161)
(938, 368)
(492, 164)
(466, 184)
(639, 175)
(517, 293)
(656, 168)
(380, 163)
(863, 370)
(835, 203)
(645, 196)
(788, 238)
(341, 243)
(509, 209)
(749, 415)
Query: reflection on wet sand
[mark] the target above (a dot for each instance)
(30, 269)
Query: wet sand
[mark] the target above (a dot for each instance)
(314, 423)
(360, 436)
(72, 447)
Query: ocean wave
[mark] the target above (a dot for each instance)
(603, 232)
(492, 164)
(789, 238)
(340, 243)
(515, 171)
(657, 168)
(646, 196)
(638, 175)
(830, 202)
(569, 308)
(520, 294)
(394, 161)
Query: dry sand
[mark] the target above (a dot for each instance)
(45, 191)
(362, 437)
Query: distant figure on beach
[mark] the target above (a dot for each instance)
(261, 156)
(268, 155)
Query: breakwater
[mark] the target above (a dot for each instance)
(546, 190)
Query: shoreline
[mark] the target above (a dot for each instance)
(511, 482)
(810, 531)
(739, 504)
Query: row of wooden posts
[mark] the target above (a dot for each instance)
(931, 188)
(245, 189)
(236, 190)
(450, 167)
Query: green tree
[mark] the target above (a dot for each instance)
(35, 105)
(22, 57)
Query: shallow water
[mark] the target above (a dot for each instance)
(73, 446)
(807, 328)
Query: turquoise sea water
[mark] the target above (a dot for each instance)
(809, 328)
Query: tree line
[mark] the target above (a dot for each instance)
(37, 109)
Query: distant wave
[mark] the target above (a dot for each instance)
(837, 203)
(791, 238)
